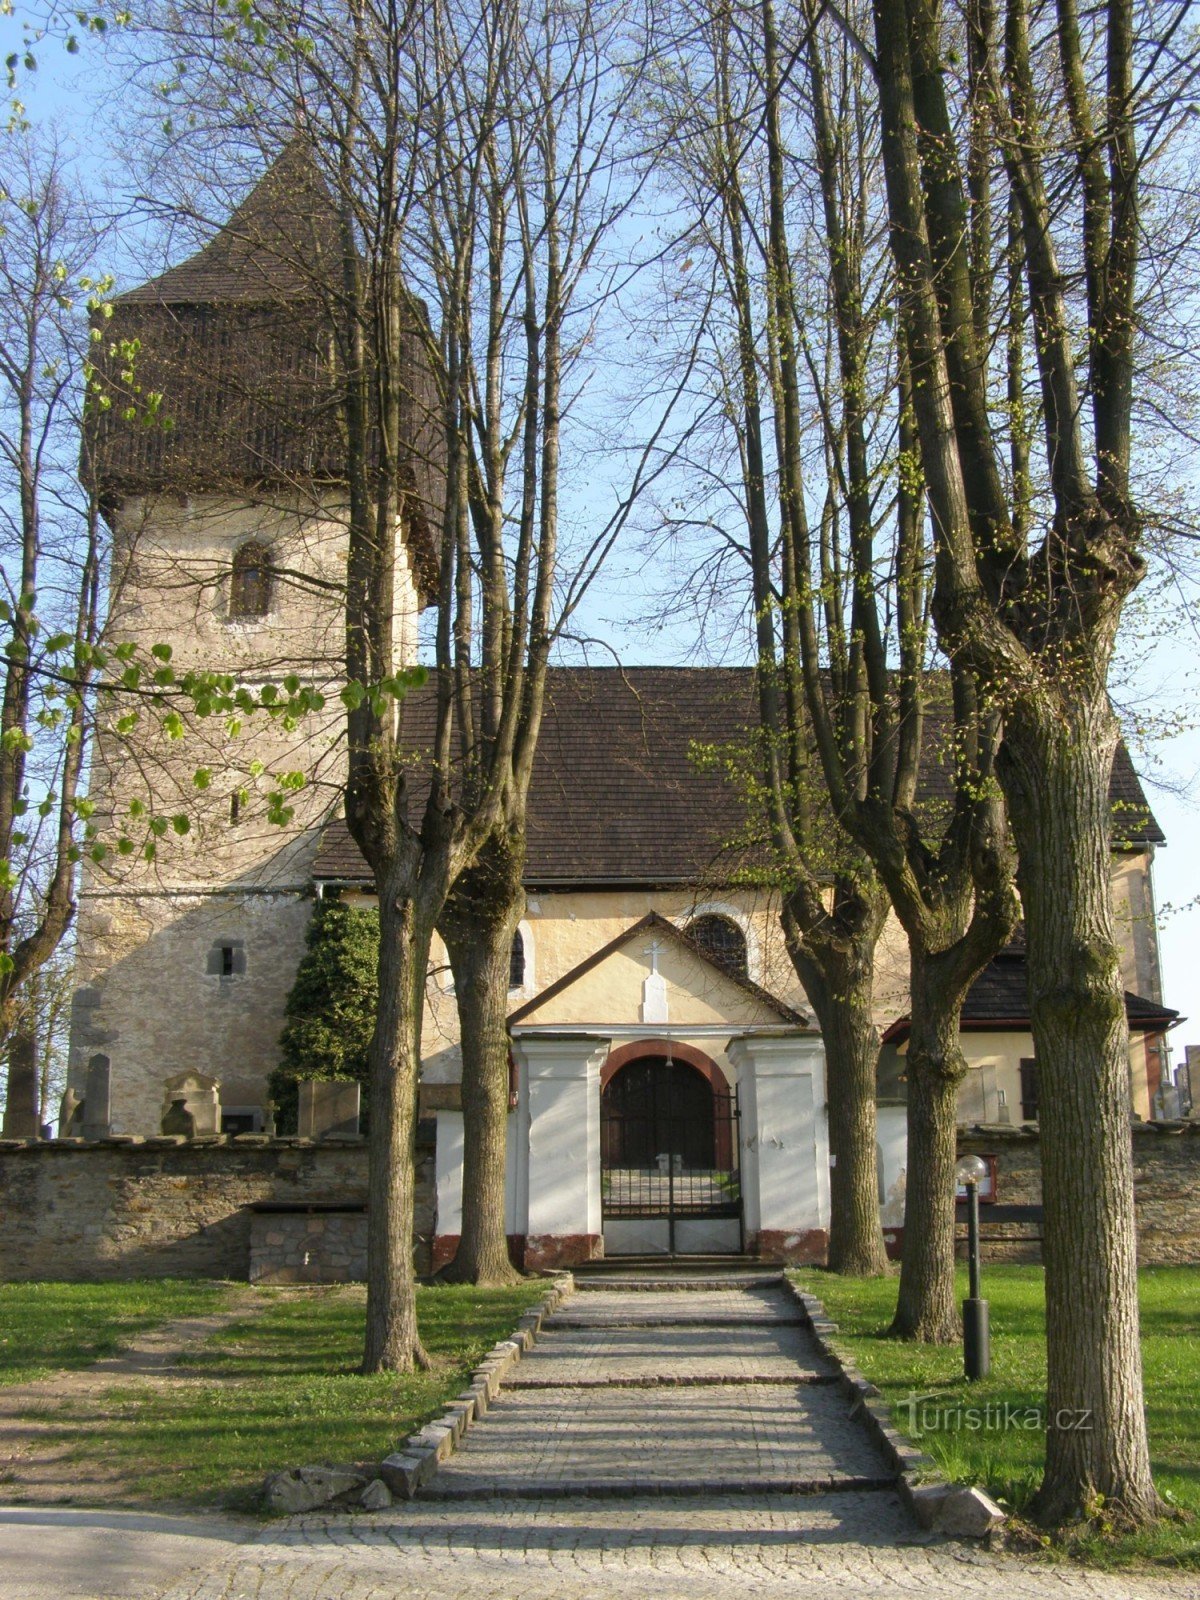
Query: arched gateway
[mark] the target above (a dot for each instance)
(669, 1179)
(663, 1105)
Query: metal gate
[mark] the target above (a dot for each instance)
(669, 1161)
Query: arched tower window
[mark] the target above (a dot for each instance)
(250, 584)
(516, 962)
(722, 941)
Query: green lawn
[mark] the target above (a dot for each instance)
(281, 1390)
(46, 1327)
(1007, 1460)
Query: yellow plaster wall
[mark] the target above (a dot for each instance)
(697, 994)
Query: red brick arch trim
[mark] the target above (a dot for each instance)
(638, 1049)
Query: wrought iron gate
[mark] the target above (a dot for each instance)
(669, 1147)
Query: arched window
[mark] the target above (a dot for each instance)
(722, 941)
(250, 584)
(516, 962)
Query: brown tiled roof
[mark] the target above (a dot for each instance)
(998, 1001)
(238, 341)
(654, 923)
(617, 796)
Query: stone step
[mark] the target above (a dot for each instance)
(498, 1487)
(625, 1319)
(677, 1282)
(673, 1380)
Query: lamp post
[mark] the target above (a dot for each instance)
(970, 1172)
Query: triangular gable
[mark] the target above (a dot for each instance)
(608, 988)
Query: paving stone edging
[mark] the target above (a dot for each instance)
(399, 1475)
(419, 1457)
(936, 1503)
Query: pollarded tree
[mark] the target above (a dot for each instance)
(465, 158)
(1060, 120)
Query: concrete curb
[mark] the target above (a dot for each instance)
(414, 1462)
(936, 1503)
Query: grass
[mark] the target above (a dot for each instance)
(1007, 1460)
(49, 1327)
(282, 1390)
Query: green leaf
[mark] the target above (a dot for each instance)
(182, 823)
(161, 652)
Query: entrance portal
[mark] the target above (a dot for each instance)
(668, 1157)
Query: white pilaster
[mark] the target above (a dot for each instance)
(447, 1168)
(784, 1132)
(562, 1081)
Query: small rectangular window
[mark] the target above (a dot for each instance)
(1029, 1090)
(227, 961)
(235, 806)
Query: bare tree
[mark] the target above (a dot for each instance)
(1070, 113)
(467, 166)
(50, 561)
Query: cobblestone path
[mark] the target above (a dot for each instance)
(708, 1389)
(691, 1416)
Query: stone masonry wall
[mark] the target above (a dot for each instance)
(171, 1208)
(1166, 1174)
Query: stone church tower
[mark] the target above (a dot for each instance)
(229, 546)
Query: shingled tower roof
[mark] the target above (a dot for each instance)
(279, 245)
(238, 339)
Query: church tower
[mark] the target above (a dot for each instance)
(227, 504)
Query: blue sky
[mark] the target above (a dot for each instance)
(70, 96)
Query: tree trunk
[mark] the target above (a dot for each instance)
(926, 1305)
(392, 1342)
(840, 989)
(478, 926)
(1056, 765)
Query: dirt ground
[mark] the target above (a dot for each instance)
(37, 1469)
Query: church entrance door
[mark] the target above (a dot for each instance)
(669, 1179)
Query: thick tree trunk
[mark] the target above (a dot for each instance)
(926, 1306)
(478, 926)
(1056, 764)
(392, 1342)
(851, 1063)
(840, 989)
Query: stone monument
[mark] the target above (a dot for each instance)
(328, 1107)
(201, 1097)
(97, 1099)
(21, 1109)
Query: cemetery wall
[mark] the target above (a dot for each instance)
(1166, 1175)
(174, 1208)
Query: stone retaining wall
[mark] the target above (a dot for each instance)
(1166, 1175)
(184, 1208)
(179, 1208)
(308, 1246)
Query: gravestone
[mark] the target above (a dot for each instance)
(201, 1097)
(70, 1115)
(177, 1119)
(21, 1110)
(328, 1106)
(97, 1099)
